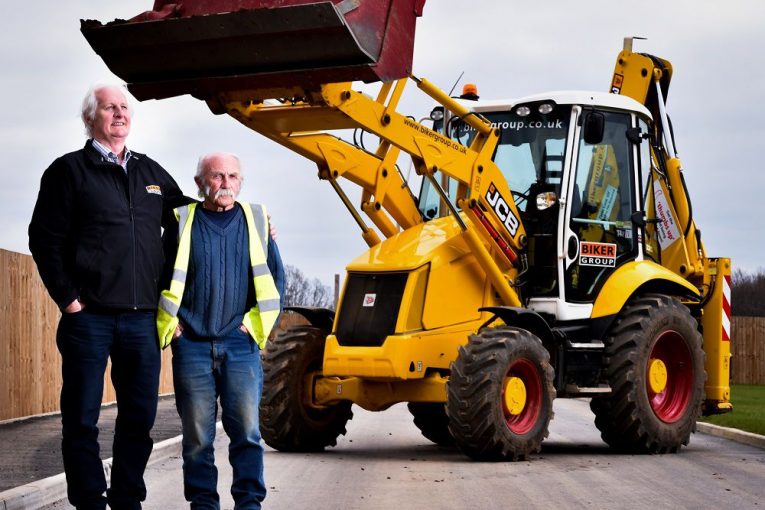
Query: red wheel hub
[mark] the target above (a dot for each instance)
(671, 402)
(521, 422)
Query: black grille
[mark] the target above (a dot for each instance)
(370, 308)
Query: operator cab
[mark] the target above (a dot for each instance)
(573, 162)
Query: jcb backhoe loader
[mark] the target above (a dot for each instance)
(551, 251)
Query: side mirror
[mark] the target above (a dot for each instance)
(638, 218)
(635, 136)
(594, 126)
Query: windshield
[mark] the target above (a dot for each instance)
(531, 151)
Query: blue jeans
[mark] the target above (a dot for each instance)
(203, 370)
(86, 341)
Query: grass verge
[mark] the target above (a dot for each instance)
(748, 409)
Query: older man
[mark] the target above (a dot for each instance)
(216, 313)
(96, 238)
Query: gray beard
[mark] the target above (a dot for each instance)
(220, 193)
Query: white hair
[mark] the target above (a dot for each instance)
(204, 161)
(90, 103)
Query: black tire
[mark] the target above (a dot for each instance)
(289, 422)
(480, 421)
(431, 419)
(635, 418)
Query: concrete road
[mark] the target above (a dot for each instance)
(383, 463)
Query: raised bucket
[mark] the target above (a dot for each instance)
(205, 47)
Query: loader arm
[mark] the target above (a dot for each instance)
(491, 223)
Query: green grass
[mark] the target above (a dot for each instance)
(748, 409)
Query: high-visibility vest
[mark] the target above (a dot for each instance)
(260, 319)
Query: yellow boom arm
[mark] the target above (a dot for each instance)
(490, 220)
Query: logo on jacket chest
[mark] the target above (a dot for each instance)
(154, 189)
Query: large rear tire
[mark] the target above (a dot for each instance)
(500, 395)
(289, 421)
(654, 364)
(431, 419)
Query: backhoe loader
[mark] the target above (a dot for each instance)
(550, 252)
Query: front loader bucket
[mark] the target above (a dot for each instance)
(212, 46)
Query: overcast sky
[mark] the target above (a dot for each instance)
(510, 49)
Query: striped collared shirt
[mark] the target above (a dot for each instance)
(110, 156)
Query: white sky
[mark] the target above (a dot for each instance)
(510, 49)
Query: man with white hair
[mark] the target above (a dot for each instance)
(95, 235)
(221, 302)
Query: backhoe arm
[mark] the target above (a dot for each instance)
(646, 79)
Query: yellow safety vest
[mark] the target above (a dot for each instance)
(261, 318)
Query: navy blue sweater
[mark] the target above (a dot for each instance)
(219, 288)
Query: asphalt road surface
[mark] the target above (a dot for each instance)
(384, 463)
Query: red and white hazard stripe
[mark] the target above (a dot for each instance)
(726, 309)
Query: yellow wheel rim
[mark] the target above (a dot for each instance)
(515, 395)
(657, 375)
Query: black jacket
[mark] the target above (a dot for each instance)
(96, 233)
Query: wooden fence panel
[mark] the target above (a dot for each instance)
(748, 350)
(30, 365)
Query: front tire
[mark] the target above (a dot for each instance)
(500, 395)
(654, 363)
(289, 421)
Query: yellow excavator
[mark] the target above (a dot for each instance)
(550, 252)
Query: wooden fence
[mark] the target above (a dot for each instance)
(30, 366)
(748, 350)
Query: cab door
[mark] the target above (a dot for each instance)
(599, 235)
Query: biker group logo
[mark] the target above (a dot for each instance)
(501, 209)
(369, 300)
(597, 254)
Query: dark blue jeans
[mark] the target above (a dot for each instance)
(86, 341)
(203, 370)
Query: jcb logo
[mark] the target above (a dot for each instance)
(502, 209)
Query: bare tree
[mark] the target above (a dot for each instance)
(748, 293)
(300, 291)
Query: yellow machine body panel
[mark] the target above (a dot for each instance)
(628, 278)
(378, 395)
(413, 247)
(400, 357)
(439, 308)
(447, 262)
